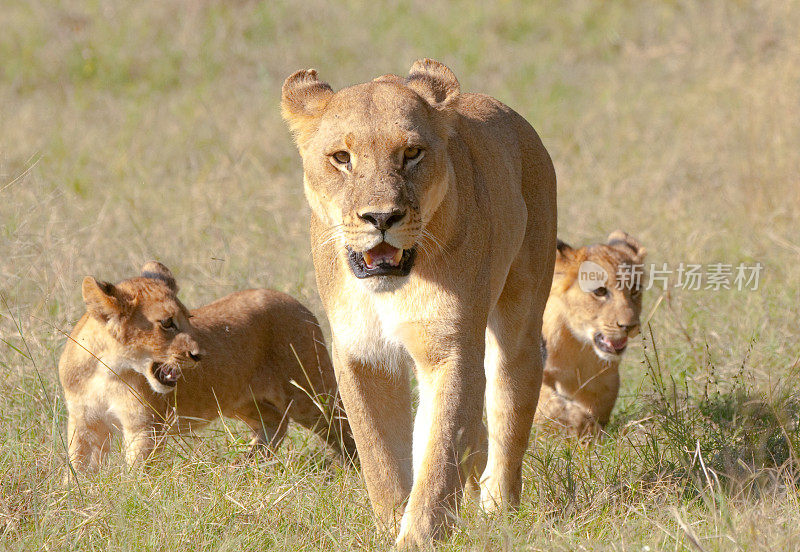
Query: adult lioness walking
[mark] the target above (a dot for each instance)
(433, 233)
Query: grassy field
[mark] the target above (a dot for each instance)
(139, 130)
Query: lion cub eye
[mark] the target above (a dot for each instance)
(341, 157)
(602, 291)
(168, 324)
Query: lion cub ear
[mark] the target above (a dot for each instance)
(564, 251)
(157, 271)
(433, 81)
(101, 299)
(303, 99)
(622, 240)
(566, 266)
(566, 257)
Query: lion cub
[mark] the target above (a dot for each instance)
(138, 361)
(593, 309)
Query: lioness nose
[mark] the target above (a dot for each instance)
(383, 221)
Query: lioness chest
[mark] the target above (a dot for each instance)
(388, 330)
(368, 327)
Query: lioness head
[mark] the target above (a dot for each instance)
(151, 326)
(600, 288)
(375, 162)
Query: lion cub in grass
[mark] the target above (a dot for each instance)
(138, 361)
(587, 323)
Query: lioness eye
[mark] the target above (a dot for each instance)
(636, 292)
(167, 324)
(411, 153)
(341, 157)
(602, 291)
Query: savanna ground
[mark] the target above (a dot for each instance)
(139, 130)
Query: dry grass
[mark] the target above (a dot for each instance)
(131, 131)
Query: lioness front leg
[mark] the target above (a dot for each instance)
(511, 396)
(448, 437)
(513, 378)
(378, 405)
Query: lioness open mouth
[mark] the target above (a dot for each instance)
(611, 346)
(381, 260)
(166, 374)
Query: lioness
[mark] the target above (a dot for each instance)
(586, 330)
(138, 353)
(433, 236)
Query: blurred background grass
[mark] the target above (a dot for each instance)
(139, 130)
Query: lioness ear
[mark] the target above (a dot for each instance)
(620, 239)
(303, 98)
(433, 81)
(100, 298)
(394, 79)
(157, 271)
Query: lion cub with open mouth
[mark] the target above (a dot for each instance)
(138, 361)
(593, 309)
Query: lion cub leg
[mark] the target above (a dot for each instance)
(89, 441)
(474, 468)
(564, 413)
(325, 416)
(142, 436)
(268, 424)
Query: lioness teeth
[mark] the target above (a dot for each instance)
(382, 254)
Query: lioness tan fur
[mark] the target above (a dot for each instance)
(586, 331)
(138, 361)
(433, 236)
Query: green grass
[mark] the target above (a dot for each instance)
(139, 130)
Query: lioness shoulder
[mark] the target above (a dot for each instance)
(140, 362)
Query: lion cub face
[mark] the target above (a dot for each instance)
(602, 313)
(147, 322)
(375, 163)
